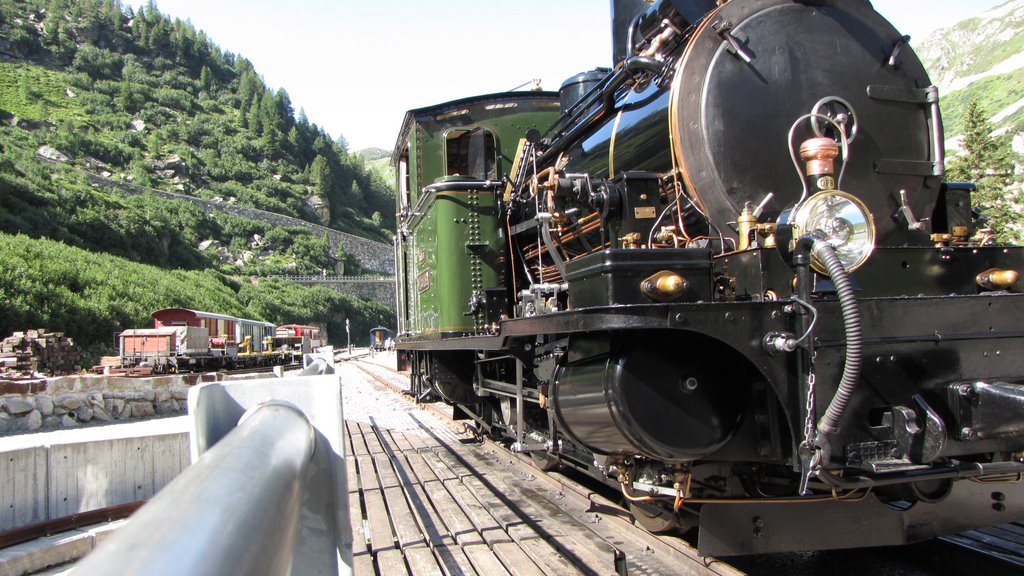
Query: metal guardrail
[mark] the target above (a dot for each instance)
(266, 493)
(235, 511)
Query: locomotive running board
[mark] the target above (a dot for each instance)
(759, 528)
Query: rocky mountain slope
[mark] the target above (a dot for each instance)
(981, 57)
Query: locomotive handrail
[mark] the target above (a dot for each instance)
(235, 511)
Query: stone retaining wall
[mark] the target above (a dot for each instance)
(70, 401)
(372, 255)
(378, 290)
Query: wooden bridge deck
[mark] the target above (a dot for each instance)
(426, 498)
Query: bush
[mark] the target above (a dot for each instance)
(98, 63)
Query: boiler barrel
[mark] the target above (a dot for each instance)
(722, 113)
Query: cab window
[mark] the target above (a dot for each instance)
(470, 153)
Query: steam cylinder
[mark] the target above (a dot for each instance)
(668, 396)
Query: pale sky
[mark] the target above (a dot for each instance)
(357, 66)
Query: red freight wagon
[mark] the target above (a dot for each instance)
(298, 337)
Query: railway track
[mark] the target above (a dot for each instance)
(996, 551)
(588, 531)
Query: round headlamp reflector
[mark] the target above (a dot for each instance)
(842, 220)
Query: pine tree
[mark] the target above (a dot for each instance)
(323, 176)
(987, 161)
(249, 88)
(206, 78)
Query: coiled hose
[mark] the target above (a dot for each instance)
(829, 423)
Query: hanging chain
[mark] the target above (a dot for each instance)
(809, 409)
(810, 453)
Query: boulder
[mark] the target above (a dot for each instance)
(45, 405)
(142, 409)
(34, 421)
(51, 153)
(19, 406)
(166, 407)
(100, 413)
(84, 413)
(69, 402)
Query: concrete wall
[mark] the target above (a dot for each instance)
(47, 482)
(23, 487)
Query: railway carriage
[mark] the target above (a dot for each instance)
(726, 277)
(380, 338)
(184, 340)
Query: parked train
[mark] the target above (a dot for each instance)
(380, 338)
(727, 278)
(184, 340)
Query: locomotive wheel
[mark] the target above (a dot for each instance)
(544, 461)
(653, 519)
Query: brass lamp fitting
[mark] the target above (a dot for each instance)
(819, 155)
(997, 279)
(664, 286)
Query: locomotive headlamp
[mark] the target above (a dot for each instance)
(841, 219)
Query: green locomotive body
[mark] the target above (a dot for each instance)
(450, 185)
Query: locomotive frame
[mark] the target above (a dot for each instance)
(623, 277)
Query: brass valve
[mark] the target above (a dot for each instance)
(631, 240)
(747, 223)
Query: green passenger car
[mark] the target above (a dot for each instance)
(452, 161)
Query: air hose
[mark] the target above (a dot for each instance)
(829, 423)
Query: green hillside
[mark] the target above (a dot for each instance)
(155, 102)
(91, 296)
(91, 88)
(994, 93)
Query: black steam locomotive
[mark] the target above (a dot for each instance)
(727, 277)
